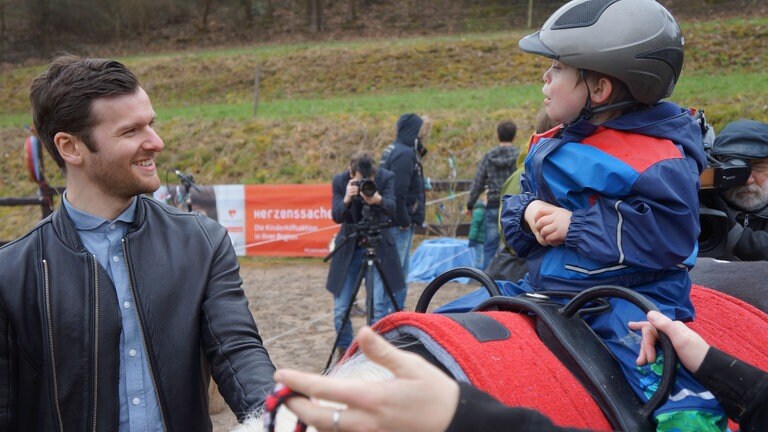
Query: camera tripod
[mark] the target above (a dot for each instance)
(370, 262)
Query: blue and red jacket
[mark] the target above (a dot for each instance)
(632, 185)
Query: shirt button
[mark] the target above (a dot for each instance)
(136, 401)
(112, 226)
(127, 305)
(132, 353)
(116, 258)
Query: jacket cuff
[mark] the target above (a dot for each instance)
(734, 383)
(576, 228)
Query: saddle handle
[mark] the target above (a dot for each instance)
(439, 281)
(645, 305)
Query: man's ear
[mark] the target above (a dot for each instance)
(602, 91)
(70, 147)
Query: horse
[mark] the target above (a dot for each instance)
(552, 380)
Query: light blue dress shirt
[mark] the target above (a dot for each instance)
(139, 410)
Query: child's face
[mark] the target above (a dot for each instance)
(565, 95)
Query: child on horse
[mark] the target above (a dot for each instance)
(609, 197)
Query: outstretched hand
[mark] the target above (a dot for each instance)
(391, 405)
(689, 345)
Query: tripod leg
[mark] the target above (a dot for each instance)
(387, 290)
(369, 303)
(345, 321)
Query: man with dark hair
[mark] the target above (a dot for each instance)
(352, 201)
(494, 169)
(746, 206)
(403, 158)
(116, 309)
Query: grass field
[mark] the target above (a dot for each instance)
(320, 102)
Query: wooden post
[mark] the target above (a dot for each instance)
(256, 79)
(530, 13)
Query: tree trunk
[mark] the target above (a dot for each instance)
(315, 16)
(247, 14)
(43, 25)
(352, 11)
(204, 17)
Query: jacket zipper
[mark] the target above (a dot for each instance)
(49, 314)
(95, 341)
(141, 331)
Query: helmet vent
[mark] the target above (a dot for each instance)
(582, 15)
(671, 56)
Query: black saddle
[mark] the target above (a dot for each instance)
(562, 329)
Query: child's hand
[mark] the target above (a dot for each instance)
(552, 225)
(531, 215)
(547, 222)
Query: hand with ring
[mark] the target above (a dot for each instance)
(396, 404)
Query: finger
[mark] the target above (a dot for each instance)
(644, 355)
(377, 349)
(648, 345)
(322, 387)
(321, 417)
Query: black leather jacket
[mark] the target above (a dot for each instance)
(60, 325)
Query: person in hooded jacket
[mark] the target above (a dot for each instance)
(744, 142)
(494, 169)
(403, 158)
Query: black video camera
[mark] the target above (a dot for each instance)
(719, 175)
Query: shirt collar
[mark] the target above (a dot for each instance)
(85, 221)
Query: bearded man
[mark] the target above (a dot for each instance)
(745, 142)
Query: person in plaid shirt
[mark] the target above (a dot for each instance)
(494, 169)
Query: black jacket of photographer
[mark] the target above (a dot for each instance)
(60, 324)
(401, 157)
(348, 217)
(747, 238)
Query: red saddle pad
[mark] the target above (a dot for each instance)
(521, 371)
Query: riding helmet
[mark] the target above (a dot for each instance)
(635, 41)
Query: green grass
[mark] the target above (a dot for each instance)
(701, 90)
(421, 101)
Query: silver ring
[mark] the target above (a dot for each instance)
(336, 418)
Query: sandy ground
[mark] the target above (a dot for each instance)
(294, 314)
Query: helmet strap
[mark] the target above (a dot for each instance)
(589, 111)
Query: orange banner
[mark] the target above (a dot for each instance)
(288, 220)
(266, 220)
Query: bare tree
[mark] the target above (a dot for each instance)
(351, 11)
(204, 15)
(315, 16)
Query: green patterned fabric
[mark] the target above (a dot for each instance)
(689, 421)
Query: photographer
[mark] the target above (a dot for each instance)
(363, 202)
(743, 143)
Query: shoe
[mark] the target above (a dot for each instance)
(357, 310)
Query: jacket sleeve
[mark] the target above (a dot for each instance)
(741, 389)
(387, 192)
(7, 398)
(339, 210)
(478, 182)
(512, 217)
(655, 225)
(240, 364)
(479, 411)
(402, 166)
